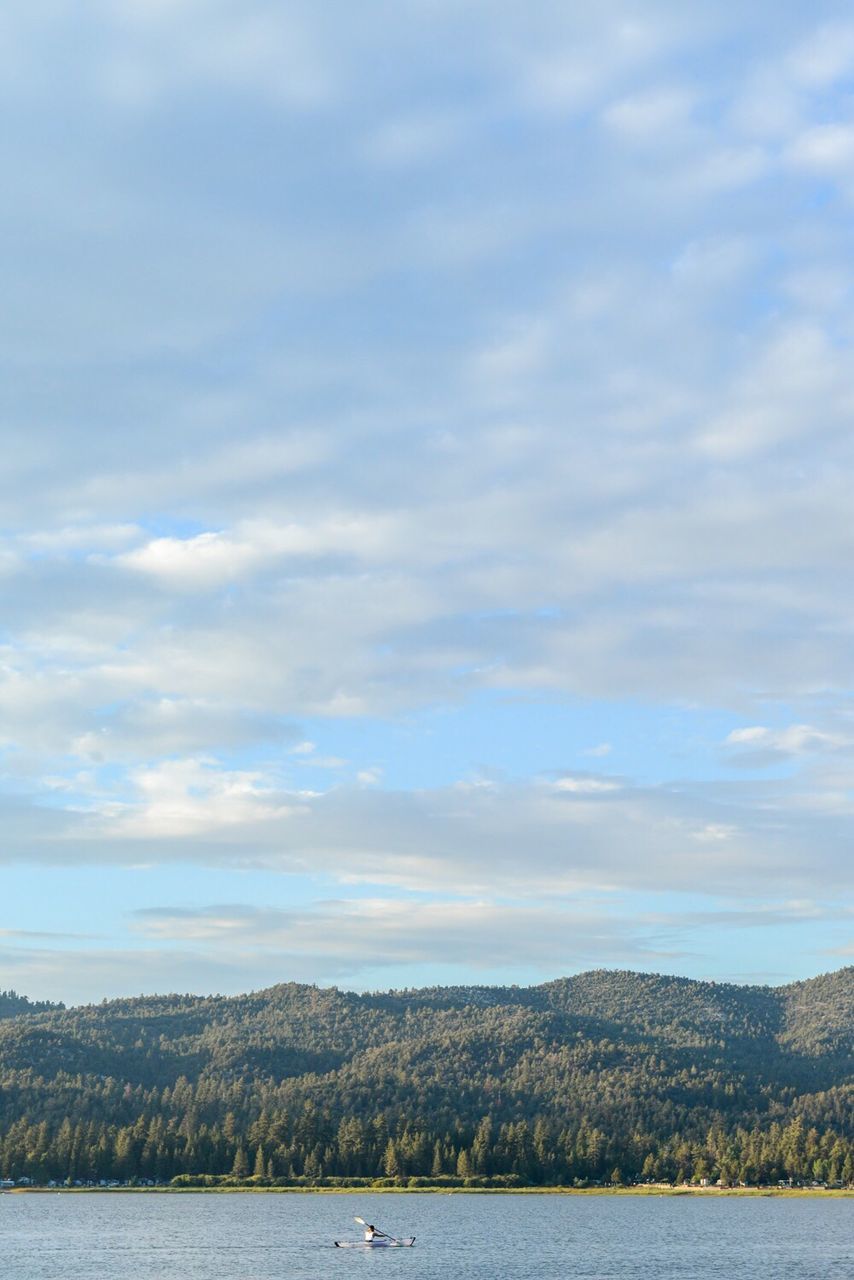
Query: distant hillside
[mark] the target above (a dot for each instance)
(579, 1079)
(11, 1005)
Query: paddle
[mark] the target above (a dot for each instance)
(384, 1234)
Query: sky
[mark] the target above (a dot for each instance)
(426, 520)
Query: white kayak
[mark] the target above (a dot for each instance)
(376, 1244)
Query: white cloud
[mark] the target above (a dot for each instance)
(362, 943)
(730, 167)
(516, 356)
(190, 797)
(585, 786)
(824, 56)
(651, 116)
(171, 726)
(377, 932)
(569, 74)
(714, 262)
(208, 559)
(799, 368)
(828, 147)
(519, 840)
(793, 741)
(201, 561)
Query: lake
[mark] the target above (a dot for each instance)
(533, 1237)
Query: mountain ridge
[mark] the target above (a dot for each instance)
(652, 1064)
(458, 991)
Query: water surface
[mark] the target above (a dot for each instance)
(533, 1237)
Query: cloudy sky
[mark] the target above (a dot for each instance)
(427, 536)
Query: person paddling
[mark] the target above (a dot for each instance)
(374, 1237)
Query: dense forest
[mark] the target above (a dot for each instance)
(607, 1077)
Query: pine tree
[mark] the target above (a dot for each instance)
(391, 1163)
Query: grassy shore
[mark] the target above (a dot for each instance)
(778, 1192)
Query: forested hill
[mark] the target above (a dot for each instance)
(576, 1080)
(11, 1005)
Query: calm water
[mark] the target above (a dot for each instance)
(289, 1237)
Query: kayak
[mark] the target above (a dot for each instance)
(376, 1244)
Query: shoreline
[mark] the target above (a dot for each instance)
(653, 1191)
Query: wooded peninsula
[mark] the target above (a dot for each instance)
(606, 1078)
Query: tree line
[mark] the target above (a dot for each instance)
(13, 1005)
(277, 1148)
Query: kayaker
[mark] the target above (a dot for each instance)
(371, 1233)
